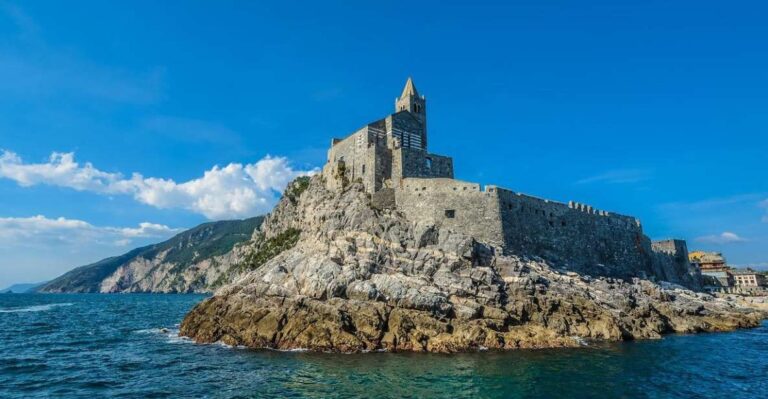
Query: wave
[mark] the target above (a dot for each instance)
(171, 334)
(35, 308)
(581, 341)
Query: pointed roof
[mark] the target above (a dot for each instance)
(409, 89)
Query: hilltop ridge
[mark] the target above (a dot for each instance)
(196, 260)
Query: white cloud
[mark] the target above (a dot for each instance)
(622, 176)
(726, 237)
(60, 170)
(38, 248)
(147, 229)
(233, 191)
(39, 231)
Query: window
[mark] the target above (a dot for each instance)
(450, 213)
(428, 163)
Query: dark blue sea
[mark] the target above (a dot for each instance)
(92, 346)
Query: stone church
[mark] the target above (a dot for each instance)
(390, 157)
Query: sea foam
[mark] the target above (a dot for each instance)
(36, 308)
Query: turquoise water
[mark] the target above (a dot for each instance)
(116, 346)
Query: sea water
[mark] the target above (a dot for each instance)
(92, 346)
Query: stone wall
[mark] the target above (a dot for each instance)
(346, 156)
(364, 155)
(452, 204)
(575, 236)
(670, 263)
(406, 128)
(412, 162)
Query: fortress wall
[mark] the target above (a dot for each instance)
(419, 163)
(574, 236)
(671, 263)
(364, 157)
(348, 148)
(380, 159)
(671, 247)
(454, 204)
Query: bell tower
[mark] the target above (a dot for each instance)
(411, 101)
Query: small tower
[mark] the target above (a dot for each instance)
(411, 101)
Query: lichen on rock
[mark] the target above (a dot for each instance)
(359, 278)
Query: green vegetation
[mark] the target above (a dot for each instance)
(271, 248)
(298, 186)
(209, 240)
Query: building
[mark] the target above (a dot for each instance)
(708, 261)
(717, 280)
(748, 278)
(716, 275)
(390, 158)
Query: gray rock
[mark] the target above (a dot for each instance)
(366, 279)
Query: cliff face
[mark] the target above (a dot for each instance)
(197, 260)
(330, 272)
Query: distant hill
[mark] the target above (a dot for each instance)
(21, 288)
(196, 260)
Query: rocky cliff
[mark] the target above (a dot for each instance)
(330, 272)
(197, 260)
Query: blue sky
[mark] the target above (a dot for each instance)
(173, 114)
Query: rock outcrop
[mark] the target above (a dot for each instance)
(197, 260)
(363, 279)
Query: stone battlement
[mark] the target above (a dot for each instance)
(390, 158)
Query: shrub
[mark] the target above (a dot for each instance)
(298, 186)
(271, 248)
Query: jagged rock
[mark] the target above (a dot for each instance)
(362, 279)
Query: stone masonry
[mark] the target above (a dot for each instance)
(390, 158)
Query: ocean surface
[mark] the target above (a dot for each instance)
(96, 346)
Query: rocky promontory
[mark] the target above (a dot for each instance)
(331, 272)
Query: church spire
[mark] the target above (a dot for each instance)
(409, 89)
(415, 105)
(411, 101)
